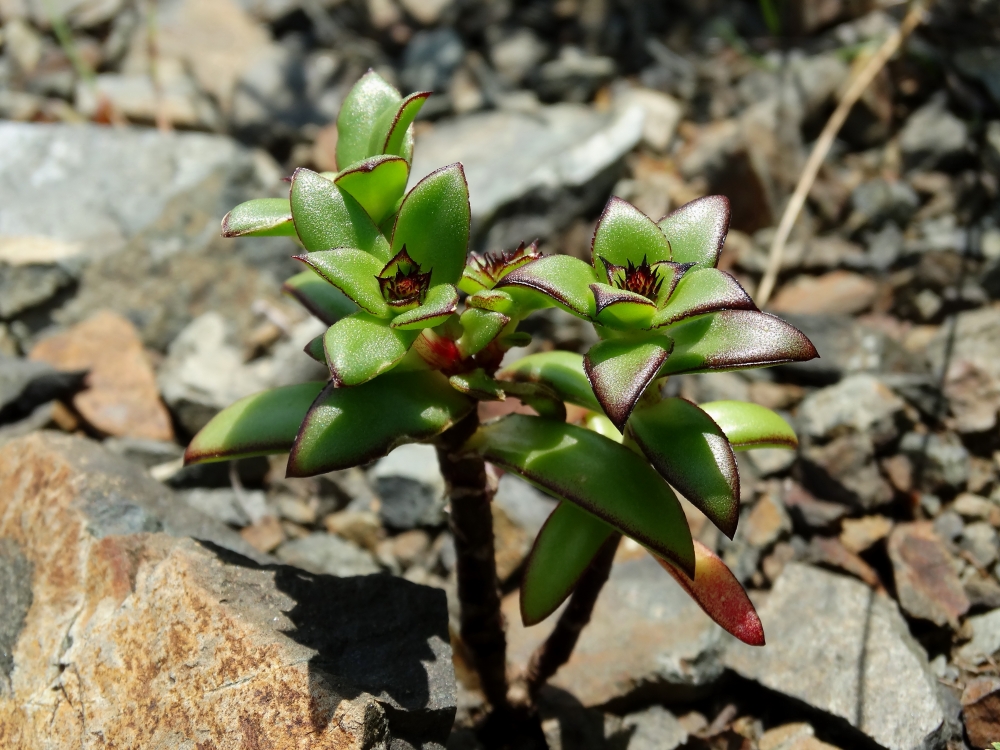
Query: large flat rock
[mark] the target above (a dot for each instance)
(120, 629)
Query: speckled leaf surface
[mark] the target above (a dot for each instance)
(377, 184)
(560, 370)
(480, 328)
(623, 234)
(361, 347)
(566, 280)
(620, 369)
(327, 217)
(319, 296)
(354, 273)
(365, 105)
(262, 217)
(700, 291)
(749, 425)
(442, 301)
(697, 230)
(395, 140)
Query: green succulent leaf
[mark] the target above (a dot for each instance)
(315, 349)
(700, 291)
(623, 234)
(327, 217)
(626, 493)
(620, 369)
(697, 230)
(319, 296)
(478, 385)
(395, 140)
(366, 105)
(733, 340)
(441, 301)
(563, 550)
(257, 425)
(539, 397)
(563, 278)
(691, 452)
(354, 273)
(262, 217)
(561, 371)
(621, 309)
(479, 329)
(491, 299)
(717, 591)
(350, 426)
(377, 183)
(361, 347)
(751, 426)
(433, 224)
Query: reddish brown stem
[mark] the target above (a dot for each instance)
(558, 647)
(471, 491)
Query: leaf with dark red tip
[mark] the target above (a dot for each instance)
(601, 476)
(566, 280)
(751, 426)
(478, 385)
(377, 184)
(350, 426)
(262, 217)
(700, 291)
(719, 594)
(367, 104)
(361, 347)
(353, 272)
(257, 425)
(623, 234)
(479, 329)
(697, 230)
(564, 548)
(561, 371)
(691, 452)
(620, 369)
(621, 309)
(733, 340)
(442, 301)
(395, 139)
(319, 296)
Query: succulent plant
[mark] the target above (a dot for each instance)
(386, 270)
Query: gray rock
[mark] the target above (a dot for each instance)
(940, 460)
(984, 641)
(146, 453)
(844, 470)
(653, 729)
(411, 487)
(430, 59)
(223, 504)
(15, 585)
(979, 539)
(859, 403)
(932, 136)
(523, 504)
(25, 385)
(79, 13)
(24, 286)
(836, 645)
(982, 64)
(878, 201)
(516, 54)
(327, 554)
(573, 76)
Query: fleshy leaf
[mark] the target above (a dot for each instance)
(691, 452)
(479, 329)
(564, 278)
(539, 397)
(361, 347)
(366, 104)
(749, 425)
(377, 184)
(733, 340)
(700, 291)
(560, 370)
(319, 296)
(697, 230)
(351, 426)
(394, 142)
(618, 308)
(625, 493)
(563, 550)
(719, 594)
(327, 217)
(433, 224)
(624, 233)
(620, 369)
(354, 273)
(263, 217)
(257, 425)
(490, 299)
(478, 385)
(441, 301)
(315, 349)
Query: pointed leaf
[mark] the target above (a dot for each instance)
(691, 452)
(565, 279)
(315, 349)
(720, 595)
(263, 217)
(361, 347)
(618, 308)
(365, 105)
(751, 426)
(563, 550)
(539, 397)
(479, 329)
(327, 217)
(351, 426)
(700, 291)
(433, 224)
(490, 299)
(619, 371)
(319, 296)
(733, 340)
(395, 141)
(478, 385)
(697, 230)
(441, 301)
(377, 184)
(354, 273)
(623, 234)
(599, 475)
(562, 371)
(257, 425)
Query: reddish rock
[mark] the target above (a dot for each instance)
(926, 582)
(831, 553)
(858, 534)
(981, 711)
(122, 398)
(834, 293)
(767, 522)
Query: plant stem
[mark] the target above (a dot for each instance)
(482, 627)
(556, 649)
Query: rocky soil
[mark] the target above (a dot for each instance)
(312, 610)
